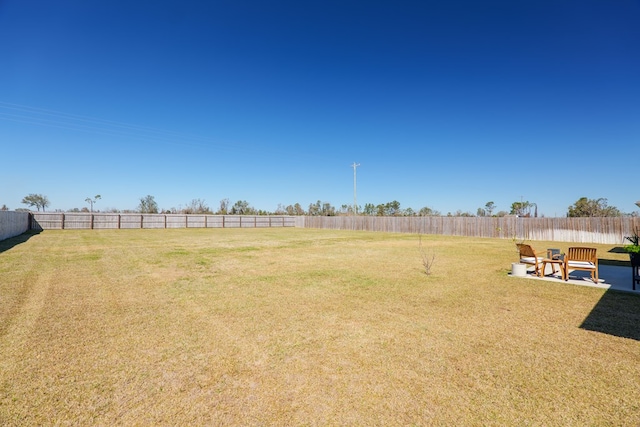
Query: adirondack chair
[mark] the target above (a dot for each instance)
(579, 258)
(529, 256)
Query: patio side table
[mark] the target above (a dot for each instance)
(553, 262)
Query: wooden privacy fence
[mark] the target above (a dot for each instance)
(578, 230)
(91, 221)
(13, 223)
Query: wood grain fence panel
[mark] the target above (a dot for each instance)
(105, 221)
(215, 221)
(13, 223)
(196, 221)
(128, 221)
(231, 221)
(48, 221)
(263, 222)
(77, 221)
(152, 221)
(175, 221)
(578, 230)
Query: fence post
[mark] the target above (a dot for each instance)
(91, 221)
(62, 223)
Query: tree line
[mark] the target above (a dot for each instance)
(583, 207)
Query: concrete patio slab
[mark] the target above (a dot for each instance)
(610, 277)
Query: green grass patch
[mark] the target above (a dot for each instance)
(301, 327)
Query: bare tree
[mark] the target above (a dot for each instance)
(197, 206)
(427, 257)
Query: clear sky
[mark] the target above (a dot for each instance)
(445, 104)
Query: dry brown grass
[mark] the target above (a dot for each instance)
(300, 327)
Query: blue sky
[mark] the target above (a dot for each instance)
(448, 105)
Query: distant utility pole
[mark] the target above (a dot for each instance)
(355, 197)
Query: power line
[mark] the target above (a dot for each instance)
(36, 116)
(66, 121)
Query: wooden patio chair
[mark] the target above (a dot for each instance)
(578, 258)
(529, 256)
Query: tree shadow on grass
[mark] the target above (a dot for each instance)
(617, 313)
(11, 242)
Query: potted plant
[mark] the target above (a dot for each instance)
(634, 248)
(634, 255)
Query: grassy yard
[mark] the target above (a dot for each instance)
(301, 327)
